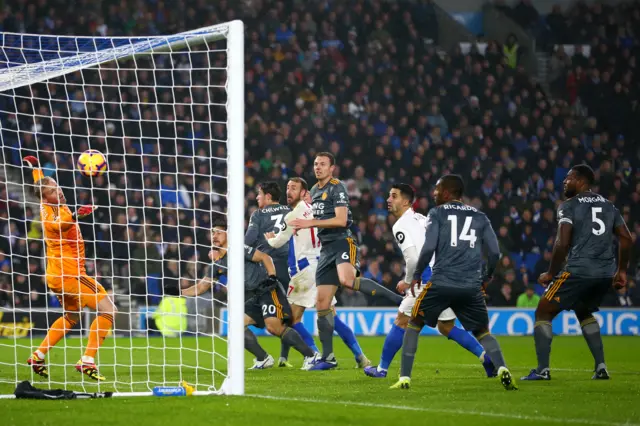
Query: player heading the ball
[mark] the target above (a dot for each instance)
(66, 276)
(339, 262)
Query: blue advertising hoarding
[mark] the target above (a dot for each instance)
(503, 321)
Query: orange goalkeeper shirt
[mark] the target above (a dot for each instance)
(62, 236)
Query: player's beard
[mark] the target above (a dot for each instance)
(294, 201)
(570, 192)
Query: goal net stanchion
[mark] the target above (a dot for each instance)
(167, 112)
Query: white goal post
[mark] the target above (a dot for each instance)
(173, 107)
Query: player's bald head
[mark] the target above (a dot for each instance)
(453, 184)
(584, 173)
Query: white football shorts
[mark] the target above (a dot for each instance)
(302, 287)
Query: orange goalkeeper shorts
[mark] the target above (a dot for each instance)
(74, 293)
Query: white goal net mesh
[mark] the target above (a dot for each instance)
(158, 109)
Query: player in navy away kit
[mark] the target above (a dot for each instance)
(265, 305)
(587, 223)
(456, 233)
(339, 257)
(269, 218)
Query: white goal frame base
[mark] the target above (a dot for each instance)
(225, 389)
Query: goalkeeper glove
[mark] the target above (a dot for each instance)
(84, 211)
(31, 161)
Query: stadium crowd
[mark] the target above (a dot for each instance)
(361, 79)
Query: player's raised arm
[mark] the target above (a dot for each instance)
(340, 199)
(338, 221)
(32, 162)
(251, 236)
(257, 256)
(625, 243)
(285, 234)
(493, 249)
(430, 244)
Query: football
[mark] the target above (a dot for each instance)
(92, 163)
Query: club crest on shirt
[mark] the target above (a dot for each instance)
(324, 196)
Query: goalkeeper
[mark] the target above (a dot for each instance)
(67, 277)
(266, 302)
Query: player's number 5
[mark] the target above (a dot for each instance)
(595, 219)
(467, 233)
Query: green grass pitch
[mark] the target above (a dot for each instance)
(448, 388)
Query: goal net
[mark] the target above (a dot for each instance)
(167, 113)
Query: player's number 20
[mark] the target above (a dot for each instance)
(268, 310)
(467, 233)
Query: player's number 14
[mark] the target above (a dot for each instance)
(467, 233)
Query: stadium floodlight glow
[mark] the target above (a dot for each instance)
(167, 112)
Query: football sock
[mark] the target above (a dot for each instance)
(292, 338)
(100, 327)
(542, 336)
(251, 344)
(409, 347)
(392, 344)
(467, 341)
(284, 349)
(325, 330)
(591, 333)
(347, 336)
(491, 346)
(372, 288)
(306, 336)
(57, 331)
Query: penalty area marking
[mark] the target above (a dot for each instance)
(448, 411)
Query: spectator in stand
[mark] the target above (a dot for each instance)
(359, 80)
(528, 299)
(512, 51)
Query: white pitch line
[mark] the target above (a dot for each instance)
(449, 411)
(511, 367)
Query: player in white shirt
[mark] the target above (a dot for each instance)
(304, 252)
(409, 233)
